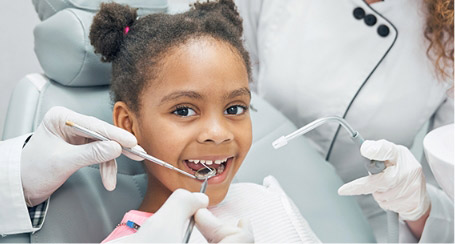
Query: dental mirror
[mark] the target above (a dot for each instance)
(202, 174)
(205, 173)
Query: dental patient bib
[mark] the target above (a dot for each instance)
(273, 216)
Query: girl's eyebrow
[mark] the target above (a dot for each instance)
(178, 94)
(194, 95)
(239, 92)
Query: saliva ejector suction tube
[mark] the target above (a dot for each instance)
(373, 166)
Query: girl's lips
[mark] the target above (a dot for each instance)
(214, 180)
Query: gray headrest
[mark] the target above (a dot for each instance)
(64, 51)
(62, 45)
(47, 8)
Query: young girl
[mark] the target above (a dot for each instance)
(180, 85)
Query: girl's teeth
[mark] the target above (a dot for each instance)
(208, 162)
(220, 169)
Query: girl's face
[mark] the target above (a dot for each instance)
(195, 111)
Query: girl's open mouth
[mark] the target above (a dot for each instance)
(220, 165)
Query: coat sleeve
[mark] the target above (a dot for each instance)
(443, 115)
(439, 225)
(250, 11)
(14, 215)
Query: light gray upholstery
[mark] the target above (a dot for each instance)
(47, 8)
(67, 56)
(83, 211)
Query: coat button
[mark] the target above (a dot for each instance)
(383, 30)
(370, 20)
(359, 13)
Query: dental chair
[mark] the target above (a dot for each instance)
(81, 210)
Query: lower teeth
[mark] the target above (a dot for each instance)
(220, 169)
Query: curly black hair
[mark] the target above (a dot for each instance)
(135, 46)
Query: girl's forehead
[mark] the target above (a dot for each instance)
(202, 88)
(197, 51)
(205, 65)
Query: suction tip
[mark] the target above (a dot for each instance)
(280, 142)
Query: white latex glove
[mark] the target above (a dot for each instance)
(215, 231)
(170, 221)
(400, 187)
(56, 151)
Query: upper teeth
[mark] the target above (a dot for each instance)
(208, 162)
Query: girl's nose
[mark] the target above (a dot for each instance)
(215, 130)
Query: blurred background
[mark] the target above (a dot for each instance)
(17, 58)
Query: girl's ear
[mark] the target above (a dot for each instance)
(124, 118)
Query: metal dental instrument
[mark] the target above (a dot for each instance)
(202, 174)
(373, 166)
(130, 150)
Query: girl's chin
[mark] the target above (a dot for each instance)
(216, 197)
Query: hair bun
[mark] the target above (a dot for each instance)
(107, 30)
(227, 8)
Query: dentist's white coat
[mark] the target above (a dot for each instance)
(312, 58)
(13, 212)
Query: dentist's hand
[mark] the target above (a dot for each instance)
(169, 222)
(400, 187)
(215, 231)
(56, 151)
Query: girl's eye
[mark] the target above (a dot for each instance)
(235, 110)
(184, 111)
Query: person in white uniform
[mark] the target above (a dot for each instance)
(30, 172)
(365, 61)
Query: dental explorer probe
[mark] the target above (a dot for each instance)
(199, 174)
(130, 150)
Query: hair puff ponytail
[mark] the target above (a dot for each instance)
(107, 32)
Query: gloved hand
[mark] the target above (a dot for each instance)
(56, 151)
(169, 222)
(400, 187)
(216, 231)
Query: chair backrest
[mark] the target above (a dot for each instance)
(83, 211)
